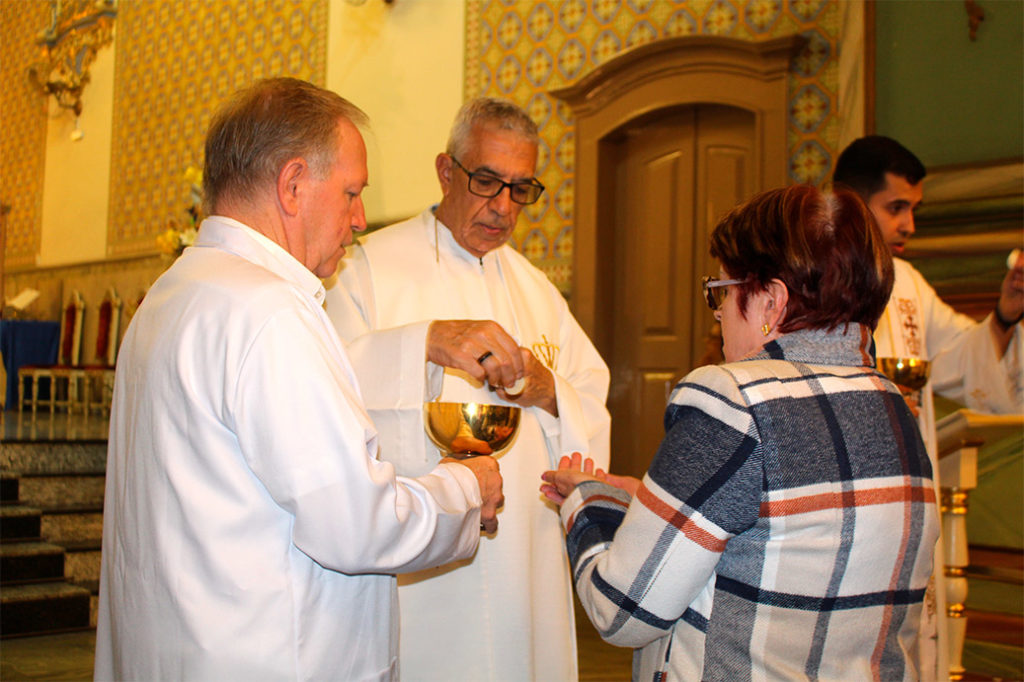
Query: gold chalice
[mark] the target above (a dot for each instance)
(909, 373)
(464, 430)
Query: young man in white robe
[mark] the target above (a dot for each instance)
(507, 613)
(249, 531)
(976, 363)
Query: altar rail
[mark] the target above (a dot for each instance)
(960, 434)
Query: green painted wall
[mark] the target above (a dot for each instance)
(947, 98)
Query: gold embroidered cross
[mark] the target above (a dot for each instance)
(911, 337)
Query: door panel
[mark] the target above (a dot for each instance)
(674, 176)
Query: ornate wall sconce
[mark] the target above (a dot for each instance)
(77, 30)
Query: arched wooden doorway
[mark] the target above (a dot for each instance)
(669, 136)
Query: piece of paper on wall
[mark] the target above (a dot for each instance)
(23, 299)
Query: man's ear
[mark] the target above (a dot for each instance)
(444, 166)
(290, 181)
(775, 303)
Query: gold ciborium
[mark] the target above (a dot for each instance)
(464, 430)
(908, 373)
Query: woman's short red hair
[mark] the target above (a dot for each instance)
(826, 249)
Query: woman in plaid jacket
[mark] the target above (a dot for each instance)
(786, 526)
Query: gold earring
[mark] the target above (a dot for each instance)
(765, 329)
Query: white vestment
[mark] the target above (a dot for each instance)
(507, 614)
(917, 323)
(249, 533)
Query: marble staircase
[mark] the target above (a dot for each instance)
(50, 530)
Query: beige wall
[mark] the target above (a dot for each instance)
(76, 186)
(402, 63)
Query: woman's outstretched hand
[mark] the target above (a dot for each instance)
(574, 470)
(628, 483)
(570, 473)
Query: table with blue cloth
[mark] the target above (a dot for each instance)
(26, 342)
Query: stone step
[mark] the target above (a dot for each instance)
(25, 561)
(43, 608)
(18, 522)
(82, 561)
(61, 490)
(71, 524)
(67, 457)
(8, 488)
(94, 599)
(49, 584)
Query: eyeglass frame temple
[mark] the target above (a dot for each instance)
(709, 282)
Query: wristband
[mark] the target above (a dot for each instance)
(1006, 324)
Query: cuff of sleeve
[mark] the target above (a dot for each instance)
(1005, 323)
(550, 425)
(586, 492)
(414, 343)
(591, 515)
(466, 480)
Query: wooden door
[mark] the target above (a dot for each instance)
(671, 177)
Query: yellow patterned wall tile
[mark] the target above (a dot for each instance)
(605, 11)
(23, 112)
(831, 19)
(699, 7)
(744, 33)
(659, 13)
(523, 49)
(588, 32)
(174, 65)
(830, 131)
(786, 25)
(829, 80)
(493, 12)
(681, 23)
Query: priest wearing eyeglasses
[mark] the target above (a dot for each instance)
(449, 277)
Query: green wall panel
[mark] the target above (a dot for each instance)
(947, 98)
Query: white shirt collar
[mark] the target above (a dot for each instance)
(238, 238)
(447, 241)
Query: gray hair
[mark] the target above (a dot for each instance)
(499, 113)
(260, 128)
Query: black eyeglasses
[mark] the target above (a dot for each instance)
(486, 185)
(710, 286)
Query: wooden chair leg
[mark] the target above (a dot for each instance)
(86, 393)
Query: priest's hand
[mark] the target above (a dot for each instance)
(537, 387)
(1011, 294)
(489, 479)
(1010, 306)
(480, 348)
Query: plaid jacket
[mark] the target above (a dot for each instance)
(785, 529)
